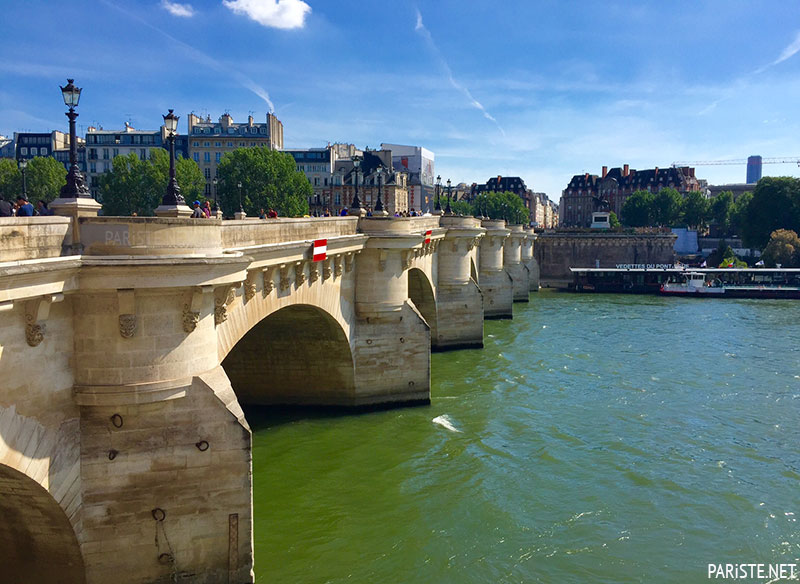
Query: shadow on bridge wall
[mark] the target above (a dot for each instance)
(297, 355)
(421, 294)
(37, 542)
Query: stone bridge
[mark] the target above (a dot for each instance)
(128, 345)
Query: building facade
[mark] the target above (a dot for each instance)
(394, 183)
(102, 146)
(209, 141)
(419, 164)
(587, 193)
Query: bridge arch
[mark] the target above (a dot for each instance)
(421, 293)
(37, 542)
(299, 354)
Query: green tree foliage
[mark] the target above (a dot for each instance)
(137, 186)
(505, 205)
(613, 221)
(783, 248)
(729, 259)
(44, 178)
(740, 213)
(10, 179)
(460, 207)
(775, 205)
(667, 207)
(270, 180)
(637, 210)
(721, 209)
(696, 209)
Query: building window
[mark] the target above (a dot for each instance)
(206, 144)
(325, 182)
(93, 168)
(217, 144)
(142, 154)
(195, 143)
(23, 150)
(208, 190)
(316, 181)
(196, 156)
(217, 156)
(207, 173)
(338, 199)
(206, 156)
(34, 151)
(230, 144)
(116, 152)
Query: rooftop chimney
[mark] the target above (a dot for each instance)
(625, 170)
(605, 171)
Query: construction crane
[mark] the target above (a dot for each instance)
(779, 160)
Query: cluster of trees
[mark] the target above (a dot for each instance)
(774, 205)
(505, 205)
(44, 177)
(269, 180)
(668, 208)
(137, 186)
(783, 248)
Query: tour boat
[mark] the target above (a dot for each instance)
(685, 281)
(737, 284)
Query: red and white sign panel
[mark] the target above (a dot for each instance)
(320, 251)
(428, 235)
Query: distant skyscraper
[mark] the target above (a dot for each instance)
(753, 169)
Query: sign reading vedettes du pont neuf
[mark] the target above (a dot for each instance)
(644, 266)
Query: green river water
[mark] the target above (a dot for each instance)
(595, 438)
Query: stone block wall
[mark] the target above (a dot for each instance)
(557, 252)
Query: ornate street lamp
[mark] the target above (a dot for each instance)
(214, 182)
(75, 187)
(448, 210)
(241, 209)
(173, 195)
(379, 205)
(23, 163)
(356, 201)
(437, 206)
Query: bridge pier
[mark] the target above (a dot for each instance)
(512, 250)
(390, 333)
(495, 281)
(165, 450)
(459, 299)
(529, 260)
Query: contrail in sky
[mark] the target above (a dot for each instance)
(420, 28)
(203, 59)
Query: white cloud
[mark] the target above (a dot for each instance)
(272, 13)
(177, 9)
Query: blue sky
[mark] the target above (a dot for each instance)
(539, 89)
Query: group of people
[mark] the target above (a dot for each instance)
(22, 207)
(201, 211)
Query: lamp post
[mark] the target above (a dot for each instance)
(214, 182)
(448, 210)
(239, 184)
(356, 201)
(379, 204)
(437, 207)
(23, 163)
(173, 196)
(75, 187)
